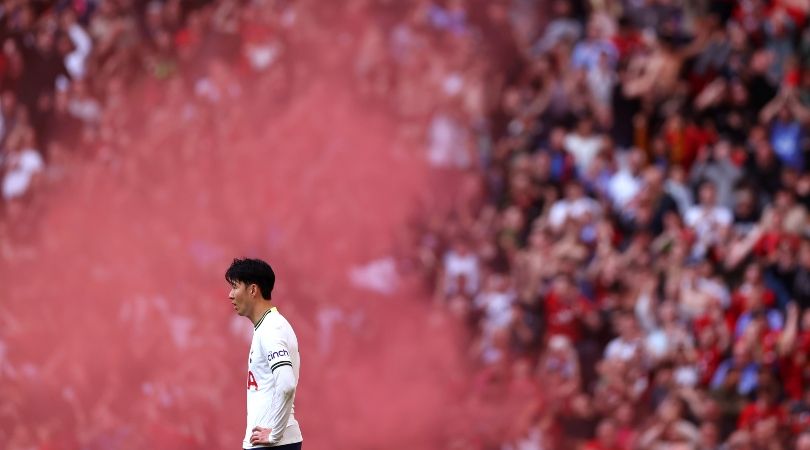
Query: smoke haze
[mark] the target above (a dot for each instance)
(116, 312)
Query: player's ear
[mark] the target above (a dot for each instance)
(253, 289)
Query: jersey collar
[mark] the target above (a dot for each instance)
(256, 327)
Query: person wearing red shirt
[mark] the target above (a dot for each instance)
(793, 347)
(627, 39)
(606, 437)
(708, 354)
(763, 408)
(567, 310)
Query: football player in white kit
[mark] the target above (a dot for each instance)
(273, 362)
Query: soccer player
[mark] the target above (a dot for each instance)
(273, 363)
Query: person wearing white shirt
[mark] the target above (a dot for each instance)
(575, 205)
(76, 60)
(628, 344)
(21, 166)
(625, 184)
(707, 218)
(495, 302)
(460, 263)
(273, 363)
(583, 144)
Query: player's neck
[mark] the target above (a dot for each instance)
(259, 311)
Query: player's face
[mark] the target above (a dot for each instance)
(239, 297)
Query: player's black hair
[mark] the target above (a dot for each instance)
(252, 271)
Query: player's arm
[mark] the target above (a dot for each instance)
(278, 356)
(282, 404)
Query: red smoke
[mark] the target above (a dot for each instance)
(116, 322)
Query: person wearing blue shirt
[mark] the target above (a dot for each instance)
(741, 362)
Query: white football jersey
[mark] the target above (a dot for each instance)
(274, 346)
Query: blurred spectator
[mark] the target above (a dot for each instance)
(669, 257)
(22, 163)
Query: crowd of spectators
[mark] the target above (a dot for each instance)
(628, 241)
(634, 230)
(69, 71)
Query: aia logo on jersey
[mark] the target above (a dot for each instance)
(252, 381)
(274, 355)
